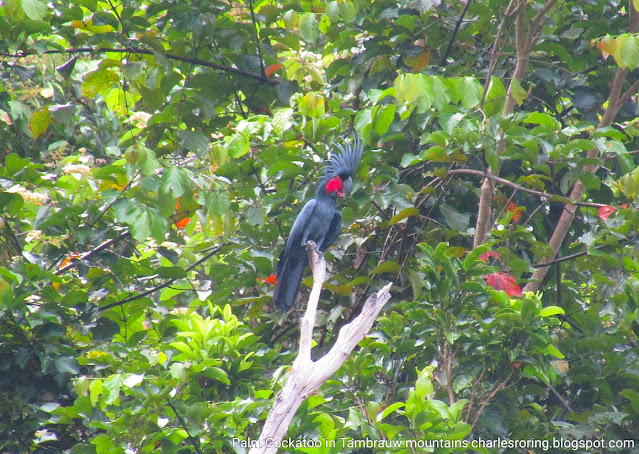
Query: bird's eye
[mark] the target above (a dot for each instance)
(334, 184)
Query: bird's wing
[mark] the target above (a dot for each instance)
(333, 232)
(296, 236)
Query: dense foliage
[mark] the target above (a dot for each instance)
(155, 154)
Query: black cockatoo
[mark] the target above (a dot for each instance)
(318, 221)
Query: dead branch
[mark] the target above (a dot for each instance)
(307, 375)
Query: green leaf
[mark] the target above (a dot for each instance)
(131, 380)
(549, 311)
(171, 272)
(521, 265)
(312, 105)
(40, 121)
(384, 118)
(555, 352)
(218, 203)
(179, 371)
(517, 92)
(159, 224)
(455, 219)
(194, 141)
(387, 266)
(439, 92)
(409, 159)
(473, 256)
(590, 180)
(470, 91)
(424, 385)
(495, 98)
(150, 164)
(6, 293)
(627, 52)
(174, 181)
(332, 11)
(111, 389)
(440, 407)
(67, 365)
(391, 409)
(631, 394)
(528, 309)
(141, 226)
(95, 391)
(217, 374)
(405, 213)
(282, 120)
(414, 90)
(540, 118)
(99, 82)
(238, 145)
(34, 9)
(133, 70)
(105, 330)
(363, 123)
(347, 10)
(309, 28)
(105, 18)
(63, 113)
(291, 19)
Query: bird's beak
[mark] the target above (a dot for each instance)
(348, 187)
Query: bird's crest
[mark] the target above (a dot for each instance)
(345, 163)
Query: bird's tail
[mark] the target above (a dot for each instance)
(289, 277)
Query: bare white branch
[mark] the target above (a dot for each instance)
(306, 375)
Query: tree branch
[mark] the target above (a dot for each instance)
(494, 54)
(454, 35)
(525, 39)
(489, 398)
(520, 187)
(88, 254)
(194, 441)
(568, 215)
(307, 375)
(163, 284)
(140, 51)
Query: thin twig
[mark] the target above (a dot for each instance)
(257, 38)
(194, 441)
(488, 399)
(561, 398)
(110, 204)
(494, 54)
(522, 188)
(137, 50)
(452, 38)
(88, 254)
(162, 285)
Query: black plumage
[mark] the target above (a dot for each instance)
(318, 221)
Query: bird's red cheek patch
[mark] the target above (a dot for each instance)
(335, 184)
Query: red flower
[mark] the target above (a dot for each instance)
(503, 281)
(605, 212)
(271, 280)
(487, 255)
